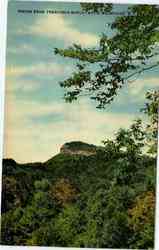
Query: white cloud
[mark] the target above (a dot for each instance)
(28, 140)
(34, 140)
(56, 26)
(18, 84)
(22, 49)
(137, 88)
(134, 93)
(37, 69)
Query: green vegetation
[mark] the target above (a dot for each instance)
(129, 50)
(103, 200)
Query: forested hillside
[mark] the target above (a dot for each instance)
(105, 199)
(102, 200)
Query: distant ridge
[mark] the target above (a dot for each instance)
(68, 148)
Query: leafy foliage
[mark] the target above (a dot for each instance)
(131, 140)
(142, 219)
(107, 199)
(118, 59)
(152, 110)
(63, 192)
(104, 200)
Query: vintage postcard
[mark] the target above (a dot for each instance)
(80, 129)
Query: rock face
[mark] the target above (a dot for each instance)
(78, 148)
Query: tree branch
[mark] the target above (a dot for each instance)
(142, 70)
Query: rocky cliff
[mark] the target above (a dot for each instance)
(78, 148)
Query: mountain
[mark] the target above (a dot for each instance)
(78, 148)
(81, 197)
(74, 158)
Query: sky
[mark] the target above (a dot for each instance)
(37, 119)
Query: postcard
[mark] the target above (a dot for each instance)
(80, 127)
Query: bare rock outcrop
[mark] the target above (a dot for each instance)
(78, 148)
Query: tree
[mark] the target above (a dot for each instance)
(10, 233)
(63, 192)
(67, 225)
(10, 196)
(152, 110)
(141, 220)
(38, 212)
(119, 58)
(129, 140)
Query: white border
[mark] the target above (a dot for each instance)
(96, 1)
(3, 29)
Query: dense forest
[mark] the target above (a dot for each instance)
(103, 199)
(100, 197)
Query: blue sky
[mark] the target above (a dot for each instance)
(37, 120)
